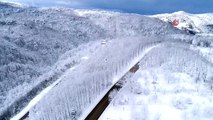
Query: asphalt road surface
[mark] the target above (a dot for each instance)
(102, 105)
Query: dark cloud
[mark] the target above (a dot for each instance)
(135, 6)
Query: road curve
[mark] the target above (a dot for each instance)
(102, 105)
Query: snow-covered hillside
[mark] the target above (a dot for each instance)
(175, 81)
(194, 23)
(84, 51)
(34, 39)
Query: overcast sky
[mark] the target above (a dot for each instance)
(133, 6)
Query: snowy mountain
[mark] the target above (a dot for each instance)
(175, 80)
(193, 23)
(34, 39)
(106, 66)
(78, 54)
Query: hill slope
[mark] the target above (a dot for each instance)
(34, 42)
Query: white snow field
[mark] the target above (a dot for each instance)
(56, 63)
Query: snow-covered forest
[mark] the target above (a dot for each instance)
(87, 51)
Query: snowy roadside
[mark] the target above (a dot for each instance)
(73, 57)
(162, 95)
(76, 94)
(170, 89)
(115, 79)
(156, 94)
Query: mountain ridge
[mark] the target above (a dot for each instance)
(195, 23)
